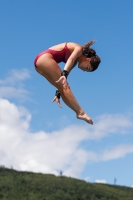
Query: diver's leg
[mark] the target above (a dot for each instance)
(47, 67)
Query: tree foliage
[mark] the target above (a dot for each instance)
(16, 185)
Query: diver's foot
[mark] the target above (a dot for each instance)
(85, 117)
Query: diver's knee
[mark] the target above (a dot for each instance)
(64, 90)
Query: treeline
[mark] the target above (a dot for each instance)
(16, 185)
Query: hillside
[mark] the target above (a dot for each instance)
(15, 185)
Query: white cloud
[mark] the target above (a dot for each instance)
(109, 124)
(101, 181)
(11, 92)
(15, 75)
(40, 151)
(11, 86)
(117, 152)
(87, 178)
(55, 151)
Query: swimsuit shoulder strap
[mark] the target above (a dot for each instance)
(66, 45)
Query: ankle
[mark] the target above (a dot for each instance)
(80, 112)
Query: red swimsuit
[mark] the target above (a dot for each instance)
(59, 56)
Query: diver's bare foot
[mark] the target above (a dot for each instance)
(85, 117)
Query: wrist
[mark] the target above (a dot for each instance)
(57, 94)
(64, 73)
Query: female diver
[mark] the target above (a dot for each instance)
(72, 54)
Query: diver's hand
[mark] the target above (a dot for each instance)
(63, 81)
(57, 101)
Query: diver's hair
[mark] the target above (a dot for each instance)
(91, 53)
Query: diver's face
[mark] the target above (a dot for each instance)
(85, 65)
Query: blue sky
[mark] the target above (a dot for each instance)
(38, 136)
